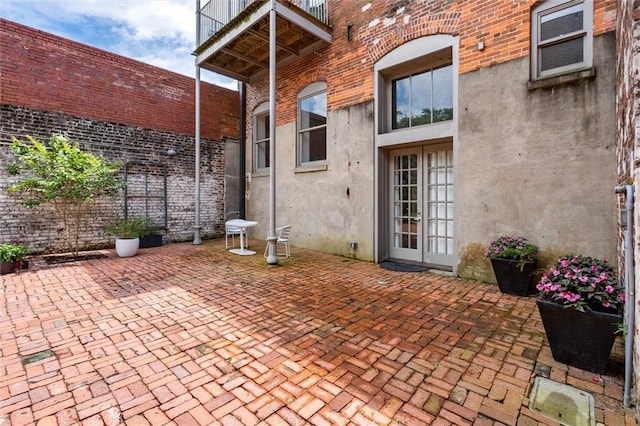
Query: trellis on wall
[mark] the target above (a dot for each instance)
(145, 193)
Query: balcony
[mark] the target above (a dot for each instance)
(233, 35)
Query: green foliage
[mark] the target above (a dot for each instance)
(131, 228)
(60, 173)
(515, 248)
(11, 252)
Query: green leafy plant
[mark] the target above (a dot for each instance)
(515, 248)
(131, 228)
(62, 174)
(12, 252)
(582, 283)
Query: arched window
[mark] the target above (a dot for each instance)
(312, 124)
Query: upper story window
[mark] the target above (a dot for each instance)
(261, 138)
(312, 123)
(561, 37)
(422, 98)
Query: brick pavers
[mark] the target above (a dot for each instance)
(194, 335)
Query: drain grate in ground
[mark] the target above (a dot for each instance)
(562, 403)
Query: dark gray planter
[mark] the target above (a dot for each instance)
(580, 339)
(514, 276)
(7, 267)
(148, 241)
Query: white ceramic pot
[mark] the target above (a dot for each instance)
(127, 247)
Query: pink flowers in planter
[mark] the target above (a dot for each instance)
(583, 283)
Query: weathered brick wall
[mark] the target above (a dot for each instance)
(50, 73)
(39, 227)
(628, 109)
(381, 26)
(123, 110)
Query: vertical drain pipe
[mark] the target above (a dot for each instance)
(629, 289)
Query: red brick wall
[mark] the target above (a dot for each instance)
(42, 71)
(347, 66)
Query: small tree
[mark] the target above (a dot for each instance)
(62, 174)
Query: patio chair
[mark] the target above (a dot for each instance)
(283, 237)
(232, 231)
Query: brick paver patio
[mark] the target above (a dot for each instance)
(194, 335)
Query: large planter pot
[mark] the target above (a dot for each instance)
(7, 267)
(148, 241)
(127, 247)
(580, 339)
(514, 276)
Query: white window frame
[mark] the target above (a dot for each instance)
(311, 90)
(260, 112)
(428, 52)
(554, 6)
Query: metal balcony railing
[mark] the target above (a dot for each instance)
(215, 14)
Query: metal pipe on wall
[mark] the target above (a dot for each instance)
(629, 289)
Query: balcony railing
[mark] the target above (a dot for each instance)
(217, 13)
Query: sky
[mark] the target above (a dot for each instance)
(156, 32)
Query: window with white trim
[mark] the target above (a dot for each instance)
(422, 98)
(561, 37)
(261, 138)
(312, 124)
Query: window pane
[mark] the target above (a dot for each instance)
(400, 94)
(561, 22)
(262, 160)
(561, 54)
(313, 145)
(421, 99)
(443, 94)
(262, 127)
(313, 111)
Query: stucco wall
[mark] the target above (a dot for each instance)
(328, 208)
(540, 164)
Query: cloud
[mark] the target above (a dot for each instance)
(157, 32)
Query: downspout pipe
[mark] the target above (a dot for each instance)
(629, 289)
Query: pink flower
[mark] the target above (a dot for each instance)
(555, 272)
(584, 279)
(606, 304)
(622, 297)
(609, 289)
(594, 268)
(604, 276)
(564, 263)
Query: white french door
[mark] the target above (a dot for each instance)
(422, 209)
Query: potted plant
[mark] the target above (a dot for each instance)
(11, 255)
(150, 236)
(127, 233)
(513, 260)
(581, 305)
